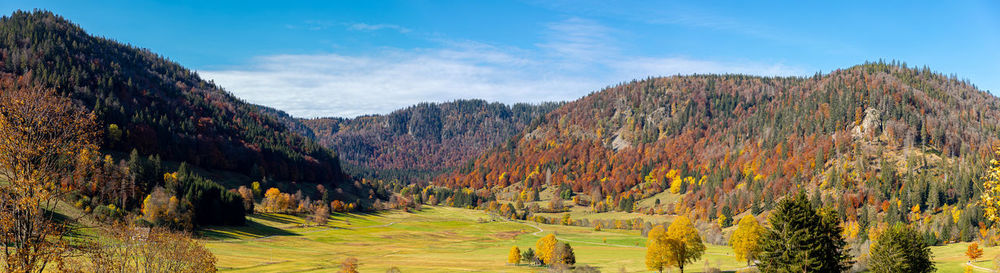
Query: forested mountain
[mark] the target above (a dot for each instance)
(415, 142)
(156, 106)
(164, 117)
(880, 142)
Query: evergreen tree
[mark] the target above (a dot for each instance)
(900, 249)
(802, 239)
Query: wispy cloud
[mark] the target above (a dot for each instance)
(376, 27)
(577, 56)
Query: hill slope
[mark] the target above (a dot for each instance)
(155, 106)
(420, 140)
(858, 137)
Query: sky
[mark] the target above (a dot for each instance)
(350, 58)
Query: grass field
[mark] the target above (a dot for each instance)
(437, 239)
(442, 239)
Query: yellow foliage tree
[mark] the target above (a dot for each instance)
(990, 198)
(544, 248)
(684, 245)
(656, 249)
(39, 131)
(675, 185)
(746, 239)
(272, 200)
(515, 255)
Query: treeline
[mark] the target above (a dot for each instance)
(179, 199)
(420, 141)
(148, 103)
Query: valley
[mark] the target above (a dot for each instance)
(114, 158)
(443, 239)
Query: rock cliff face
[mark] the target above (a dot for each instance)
(871, 124)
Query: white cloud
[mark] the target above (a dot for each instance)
(575, 58)
(376, 27)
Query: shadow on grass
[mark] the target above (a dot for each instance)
(272, 218)
(252, 229)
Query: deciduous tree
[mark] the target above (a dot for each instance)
(974, 252)
(990, 198)
(746, 239)
(349, 265)
(656, 249)
(41, 136)
(514, 257)
(684, 245)
(545, 247)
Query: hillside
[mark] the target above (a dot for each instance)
(872, 141)
(158, 107)
(417, 141)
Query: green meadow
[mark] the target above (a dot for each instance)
(443, 239)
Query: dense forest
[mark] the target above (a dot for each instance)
(156, 106)
(414, 143)
(155, 115)
(879, 142)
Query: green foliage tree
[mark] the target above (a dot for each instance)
(528, 256)
(900, 249)
(802, 239)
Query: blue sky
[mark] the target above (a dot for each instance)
(348, 58)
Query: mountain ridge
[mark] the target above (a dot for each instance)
(414, 142)
(737, 140)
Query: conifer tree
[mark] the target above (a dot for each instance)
(900, 249)
(802, 239)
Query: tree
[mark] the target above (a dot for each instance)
(275, 201)
(545, 247)
(528, 256)
(563, 254)
(990, 198)
(515, 256)
(900, 249)
(321, 214)
(974, 252)
(42, 138)
(349, 265)
(684, 245)
(247, 195)
(802, 239)
(656, 249)
(746, 239)
(156, 250)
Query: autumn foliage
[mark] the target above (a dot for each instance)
(974, 252)
(42, 137)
